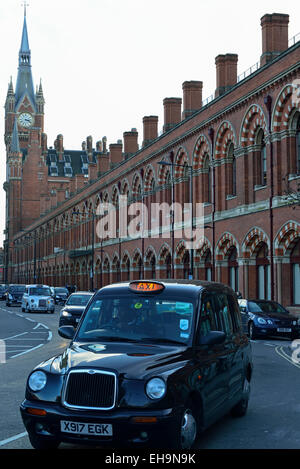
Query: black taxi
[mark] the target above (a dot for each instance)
(151, 363)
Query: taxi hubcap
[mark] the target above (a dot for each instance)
(188, 430)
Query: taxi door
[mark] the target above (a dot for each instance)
(213, 367)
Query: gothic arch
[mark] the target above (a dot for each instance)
(224, 244)
(182, 159)
(254, 118)
(252, 241)
(200, 151)
(284, 106)
(286, 238)
(224, 135)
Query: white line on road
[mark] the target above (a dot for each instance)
(13, 336)
(26, 351)
(13, 438)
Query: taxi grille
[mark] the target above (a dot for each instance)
(90, 389)
(42, 302)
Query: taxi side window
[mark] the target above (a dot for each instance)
(207, 316)
(223, 313)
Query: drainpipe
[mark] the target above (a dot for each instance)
(268, 103)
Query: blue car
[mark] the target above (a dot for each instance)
(263, 318)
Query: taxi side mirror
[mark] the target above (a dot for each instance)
(212, 338)
(67, 332)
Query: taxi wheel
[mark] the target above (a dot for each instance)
(240, 409)
(184, 434)
(252, 333)
(41, 443)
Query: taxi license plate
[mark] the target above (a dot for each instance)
(80, 428)
(284, 329)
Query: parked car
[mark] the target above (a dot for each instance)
(262, 318)
(61, 295)
(3, 290)
(150, 364)
(75, 305)
(37, 298)
(14, 294)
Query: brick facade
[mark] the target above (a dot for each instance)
(238, 148)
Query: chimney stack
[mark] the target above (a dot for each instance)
(150, 129)
(172, 112)
(226, 70)
(130, 142)
(116, 155)
(274, 36)
(89, 144)
(192, 97)
(59, 146)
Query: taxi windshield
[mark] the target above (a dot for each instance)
(138, 318)
(39, 291)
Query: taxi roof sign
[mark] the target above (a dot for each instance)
(146, 287)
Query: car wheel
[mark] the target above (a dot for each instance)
(23, 310)
(184, 434)
(251, 329)
(240, 409)
(41, 443)
(26, 309)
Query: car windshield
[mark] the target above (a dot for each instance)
(266, 307)
(61, 290)
(138, 318)
(17, 288)
(78, 300)
(39, 291)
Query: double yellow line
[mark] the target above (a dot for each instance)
(279, 350)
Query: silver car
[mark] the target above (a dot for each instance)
(37, 298)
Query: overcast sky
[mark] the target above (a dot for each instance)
(105, 64)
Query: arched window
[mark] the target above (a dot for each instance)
(295, 265)
(231, 173)
(263, 273)
(233, 269)
(261, 162)
(186, 264)
(206, 179)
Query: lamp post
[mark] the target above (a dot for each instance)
(190, 167)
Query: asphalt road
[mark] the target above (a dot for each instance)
(272, 421)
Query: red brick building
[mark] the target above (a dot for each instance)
(240, 149)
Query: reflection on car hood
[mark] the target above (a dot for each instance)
(133, 361)
(76, 309)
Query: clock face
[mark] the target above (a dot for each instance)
(25, 119)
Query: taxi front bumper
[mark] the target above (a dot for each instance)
(128, 426)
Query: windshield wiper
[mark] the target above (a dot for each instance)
(161, 340)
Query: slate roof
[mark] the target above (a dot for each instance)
(73, 162)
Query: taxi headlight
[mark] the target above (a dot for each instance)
(37, 381)
(66, 314)
(156, 388)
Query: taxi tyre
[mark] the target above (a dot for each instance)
(183, 434)
(42, 443)
(251, 331)
(240, 409)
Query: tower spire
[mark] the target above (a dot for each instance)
(15, 146)
(24, 81)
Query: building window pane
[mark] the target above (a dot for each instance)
(296, 283)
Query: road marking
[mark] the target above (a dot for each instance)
(283, 354)
(13, 438)
(26, 351)
(13, 336)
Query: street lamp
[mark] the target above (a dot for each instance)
(190, 167)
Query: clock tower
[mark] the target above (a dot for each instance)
(26, 169)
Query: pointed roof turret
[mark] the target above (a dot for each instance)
(15, 145)
(24, 80)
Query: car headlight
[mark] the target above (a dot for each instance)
(10, 296)
(37, 380)
(270, 322)
(156, 388)
(66, 314)
(261, 321)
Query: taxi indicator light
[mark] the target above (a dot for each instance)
(146, 287)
